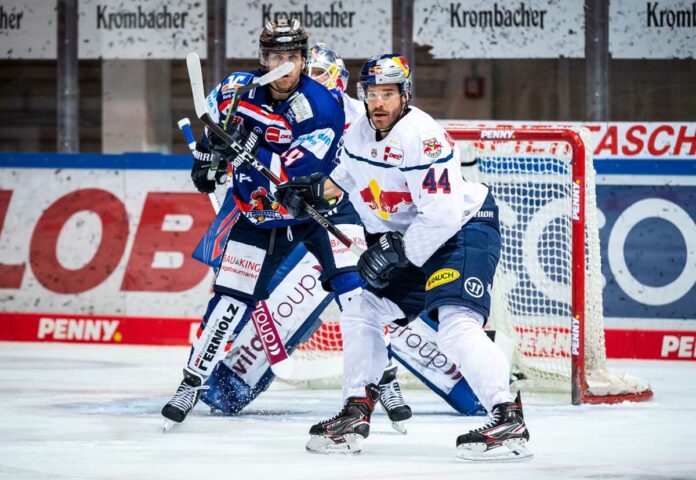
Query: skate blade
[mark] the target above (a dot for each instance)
(350, 444)
(168, 425)
(510, 451)
(400, 427)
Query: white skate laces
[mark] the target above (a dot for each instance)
(186, 397)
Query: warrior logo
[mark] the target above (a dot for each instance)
(474, 287)
(384, 202)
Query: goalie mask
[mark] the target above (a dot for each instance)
(326, 67)
(281, 36)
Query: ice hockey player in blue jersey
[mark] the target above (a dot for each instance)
(298, 124)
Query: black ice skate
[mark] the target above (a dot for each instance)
(183, 401)
(506, 428)
(345, 432)
(392, 401)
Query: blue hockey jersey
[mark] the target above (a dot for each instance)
(298, 136)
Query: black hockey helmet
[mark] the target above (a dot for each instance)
(282, 35)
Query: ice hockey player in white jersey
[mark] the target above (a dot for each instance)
(433, 243)
(327, 67)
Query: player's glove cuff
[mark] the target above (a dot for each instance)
(297, 191)
(381, 258)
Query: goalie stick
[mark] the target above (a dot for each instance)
(193, 65)
(185, 126)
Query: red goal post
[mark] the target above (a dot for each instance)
(532, 143)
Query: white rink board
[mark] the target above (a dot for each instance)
(80, 237)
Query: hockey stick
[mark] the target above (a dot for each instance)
(185, 127)
(242, 155)
(193, 63)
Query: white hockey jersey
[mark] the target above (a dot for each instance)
(353, 108)
(409, 182)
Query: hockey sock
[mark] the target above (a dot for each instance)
(484, 366)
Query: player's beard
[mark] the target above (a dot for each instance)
(383, 131)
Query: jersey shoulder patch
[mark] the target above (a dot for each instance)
(301, 108)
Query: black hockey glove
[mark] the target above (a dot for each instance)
(381, 258)
(243, 137)
(297, 191)
(206, 161)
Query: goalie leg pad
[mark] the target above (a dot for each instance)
(225, 316)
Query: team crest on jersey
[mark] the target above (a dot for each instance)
(262, 207)
(432, 147)
(393, 156)
(373, 153)
(301, 108)
(442, 276)
(278, 135)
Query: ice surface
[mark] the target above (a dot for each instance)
(92, 412)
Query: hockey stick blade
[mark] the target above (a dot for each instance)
(271, 76)
(193, 65)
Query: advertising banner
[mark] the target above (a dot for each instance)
(483, 29)
(136, 29)
(652, 29)
(28, 29)
(347, 27)
(96, 248)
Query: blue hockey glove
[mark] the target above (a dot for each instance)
(297, 191)
(381, 258)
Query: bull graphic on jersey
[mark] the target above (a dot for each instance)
(262, 206)
(432, 147)
(384, 202)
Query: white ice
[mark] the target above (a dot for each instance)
(92, 412)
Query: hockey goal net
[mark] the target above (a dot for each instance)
(547, 293)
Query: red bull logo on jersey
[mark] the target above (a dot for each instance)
(383, 202)
(432, 147)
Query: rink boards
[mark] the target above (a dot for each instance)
(96, 248)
